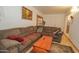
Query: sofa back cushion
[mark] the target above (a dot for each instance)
(17, 31)
(6, 33)
(27, 30)
(18, 38)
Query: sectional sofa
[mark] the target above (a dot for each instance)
(21, 39)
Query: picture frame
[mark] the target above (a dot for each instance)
(39, 20)
(26, 13)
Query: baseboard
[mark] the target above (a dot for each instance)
(71, 42)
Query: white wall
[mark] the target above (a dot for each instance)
(11, 17)
(74, 30)
(55, 20)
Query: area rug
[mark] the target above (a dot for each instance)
(58, 48)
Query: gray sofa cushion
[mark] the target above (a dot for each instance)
(6, 43)
(25, 45)
(13, 49)
(2, 46)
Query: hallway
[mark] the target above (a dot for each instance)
(66, 41)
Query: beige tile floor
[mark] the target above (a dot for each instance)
(66, 41)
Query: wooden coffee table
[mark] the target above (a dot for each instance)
(43, 44)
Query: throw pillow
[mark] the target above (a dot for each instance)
(16, 37)
(13, 37)
(20, 38)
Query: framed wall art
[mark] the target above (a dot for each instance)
(26, 13)
(39, 20)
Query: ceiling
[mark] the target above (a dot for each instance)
(52, 9)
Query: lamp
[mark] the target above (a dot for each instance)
(75, 9)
